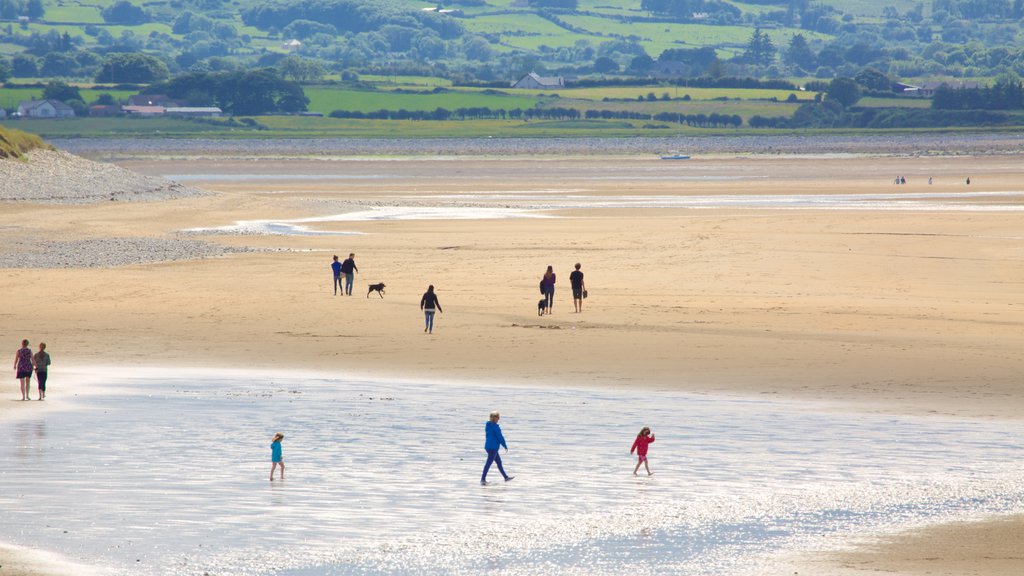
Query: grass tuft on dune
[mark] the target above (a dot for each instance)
(15, 143)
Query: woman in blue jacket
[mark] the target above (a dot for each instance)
(494, 441)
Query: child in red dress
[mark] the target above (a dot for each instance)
(643, 440)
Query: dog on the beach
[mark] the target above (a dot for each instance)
(379, 288)
(541, 306)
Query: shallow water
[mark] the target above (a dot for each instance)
(539, 204)
(166, 472)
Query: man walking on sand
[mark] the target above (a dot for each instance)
(349, 269)
(336, 269)
(578, 287)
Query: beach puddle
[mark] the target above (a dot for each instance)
(161, 472)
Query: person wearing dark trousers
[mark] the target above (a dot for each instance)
(578, 287)
(494, 440)
(428, 304)
(41, 360)
(547, 285)
(336, 270)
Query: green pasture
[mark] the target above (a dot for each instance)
(73, 12)
(871, 102)
(411, 82)
(327, 99)
(10, 97)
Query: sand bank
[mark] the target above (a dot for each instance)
(885, 310)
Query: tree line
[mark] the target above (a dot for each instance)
(548, 113)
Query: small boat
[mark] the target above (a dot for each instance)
(675, 156)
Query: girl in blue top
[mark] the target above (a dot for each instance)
(493, 442)
(275, 455)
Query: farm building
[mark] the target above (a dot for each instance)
(193, 112)
(533, 81)
(45, 109)
(100, 110)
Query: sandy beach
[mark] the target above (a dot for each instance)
(889, 299)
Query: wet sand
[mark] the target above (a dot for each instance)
(895, 311)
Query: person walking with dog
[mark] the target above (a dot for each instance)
(428, 303)
(349, 269)
(494, 440)
(643, 440)
(579, 288)
(547, 287)
(336, 270)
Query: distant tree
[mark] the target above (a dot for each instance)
(132, 67)
(799, 55)
(5, 70)
(242, 93)
(873, 80)
(34, 9)
(61, 91)
(303, 29)
(477, 48)
(25, 66)
(843, 91)
(606, 65)
(106, 100)
(641, 64)
(59, 64)
(124, 12)
(760, 50)
(300, 69)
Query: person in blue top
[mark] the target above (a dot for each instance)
(494, 441)
(336, 268)
(275, 455)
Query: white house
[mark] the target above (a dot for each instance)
(45, 109)
(533, 81)
(3, 113)
(292, 44)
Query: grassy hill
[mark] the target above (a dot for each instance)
(509, 27)
(15, 143)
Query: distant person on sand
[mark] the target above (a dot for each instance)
(643, 440)
(41, 360)
(547, 287)
(428, 303)
(23, 368)
(968, 180)
(275, 455)
(348, 267)
(578, 287)
(336, 269)
(494, 441)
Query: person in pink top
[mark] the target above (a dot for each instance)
(643, 440)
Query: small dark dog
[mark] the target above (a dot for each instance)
(378, 287)
(541, 306)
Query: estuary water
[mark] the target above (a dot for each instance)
(162, 471)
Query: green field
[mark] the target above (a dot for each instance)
(326, 100)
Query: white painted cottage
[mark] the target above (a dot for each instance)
(45, 109)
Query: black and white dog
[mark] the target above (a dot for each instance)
(379, 288)
(541, 306)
